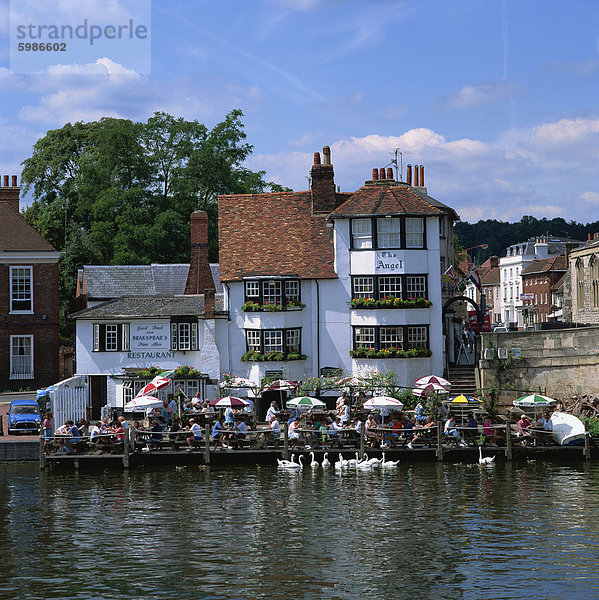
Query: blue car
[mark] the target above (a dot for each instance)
(24, 417)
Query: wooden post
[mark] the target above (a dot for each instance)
(126, 449)
(508, 438)
(362, 440)
(207, 445)
(439, 441)
(42, 454)
(286, 441)
(587, 441)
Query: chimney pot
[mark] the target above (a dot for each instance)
(375, 174)
(409, 175)
(421, 175)
(6, 181)
(416, 184)
(382, 173)
(14, 181)
(326, 155)
(317, 158)
(389, 173)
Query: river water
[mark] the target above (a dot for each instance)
(526, 530)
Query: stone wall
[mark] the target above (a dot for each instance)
(559, 363)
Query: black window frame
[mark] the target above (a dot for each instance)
(123, 337)
(402, 232)
(405, 339)
(283, 330)
(175, 334)
(260, 297)
(404, 285)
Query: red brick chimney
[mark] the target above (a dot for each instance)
(494, 262)
(199, 277)
(10, 193)
(323, 183)
(209, 303)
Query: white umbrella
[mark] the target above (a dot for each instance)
(428, 389)
(305, 402)
(238, 382)
(282, 385)
(229, 402)
(350, 382)
(383, 402)
(140, 403)
(535, 400)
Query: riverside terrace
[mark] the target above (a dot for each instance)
(142, 448)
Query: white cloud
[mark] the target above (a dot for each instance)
(485, 93)
(504, 179)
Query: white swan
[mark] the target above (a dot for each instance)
(286, 464)
(486, 460)
(314, 462)
(375, 462)
(387, 464)
(325, 461)
(340, 463)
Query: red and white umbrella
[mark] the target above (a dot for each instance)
(156, 384)
(238, 382)
(383, 402)
(429, 389)
(350, 382)
(142, 403)
(229, 402)
(432, 379)
(281, 385)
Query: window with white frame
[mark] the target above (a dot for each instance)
(252, 290)
(292, 340)
(21, 357)
(417, 337)
(389, 232)
(253, 339)
(21, 289)
(390, 287)
(361, 232)
(273, 341)
(404, 337)
(364, 337)
(184, 335)
(111, 337)
(414, 232)
(416, 286)
(363, 287)
(292, 290)
(273, 291)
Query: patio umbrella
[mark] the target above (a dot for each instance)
(156, 384)
(305, 402)
(140, 403)
(282, 385)
(350, 382)
(383, 402)
(432, 379)
(229, 402)
(463, 400)
(535, 400)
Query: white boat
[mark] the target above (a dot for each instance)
(568, 430)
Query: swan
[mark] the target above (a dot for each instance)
(286, 464)
(340, 463)
(375, 462)
(314, 462)
(486, 460)
(351, 463)
(325, 461)
(389, 463)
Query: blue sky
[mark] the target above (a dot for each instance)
(499, 100)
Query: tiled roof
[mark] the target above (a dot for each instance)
(395, 199)
(16, 235)
(273, 234)
(107, 282)
(130, 307)
(490, 276)
(543, 265)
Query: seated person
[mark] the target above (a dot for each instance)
(356, 428)
(371, 430)
(217, 431)
(75, 438)
(120, 432)
(410, 426)
(155, 439)
(421, 433)
(471, 435)
(94, 434)
(344, 414)
(392, 437)
(195, 434)
(275, 428)
(524, 425)
(419, 413)
(491, 435)
(450, 429)
(293, 431)
(334, 428)
(173, 429)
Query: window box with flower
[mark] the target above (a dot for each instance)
(389, 302)
(255, 356)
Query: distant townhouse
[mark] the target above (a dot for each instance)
(540, 281)
(517, 259)
(489, 275)
(321, 281)
(138, 317)
(581, 288)
(29, 308)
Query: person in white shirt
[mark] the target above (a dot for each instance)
(275, 428)
(241, 429)
(195, 434)
(273, 411)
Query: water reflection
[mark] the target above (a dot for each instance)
(423, 531)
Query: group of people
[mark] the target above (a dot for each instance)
(539, 432)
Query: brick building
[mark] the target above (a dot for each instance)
(29, 328)
(540, 280)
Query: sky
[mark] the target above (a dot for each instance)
(498, 99)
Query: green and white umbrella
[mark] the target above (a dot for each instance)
(535, 400)
(305, 402)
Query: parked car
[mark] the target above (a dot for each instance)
(501, 329)
(24, 417)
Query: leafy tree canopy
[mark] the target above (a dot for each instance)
(117, 192)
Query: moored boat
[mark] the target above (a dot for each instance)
(568, 430)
